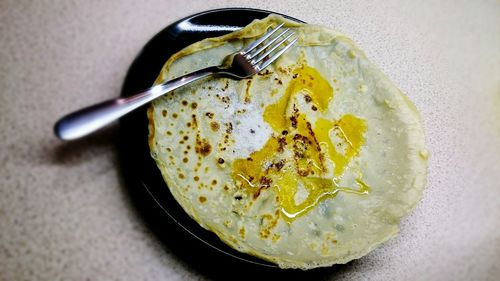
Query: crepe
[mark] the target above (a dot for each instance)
(311, 162)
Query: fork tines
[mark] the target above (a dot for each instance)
(266, 51)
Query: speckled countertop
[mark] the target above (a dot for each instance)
(66, 215)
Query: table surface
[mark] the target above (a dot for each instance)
(66, 215)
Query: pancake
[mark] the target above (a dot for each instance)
(309, 163)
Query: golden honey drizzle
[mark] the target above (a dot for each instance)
(250, 170)
(307, 79)
(318, 189)
(351, 129)
(271, 166)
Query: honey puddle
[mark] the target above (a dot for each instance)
(298, 155)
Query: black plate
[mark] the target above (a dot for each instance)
(139, 169)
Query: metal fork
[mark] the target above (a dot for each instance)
(242, 64)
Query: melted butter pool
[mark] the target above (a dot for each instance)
(297, 155)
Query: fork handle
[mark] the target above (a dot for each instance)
(90, 119)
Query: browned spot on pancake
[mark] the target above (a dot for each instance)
(318, 147)
(209, 115)
(265, 72)
(196, 178)
(225, 86)
(247, 91)
(282, 144)
(276, 237)
(202, 199)
(225, 100)
(174, 115)
(264, 183)
(185, 160)
(307, 98)
(202, 146)
(164, 113)
(194, 122)
(267, 223)
(194, 105)
(229, 128)
(278, 165)
(294, 121)
(214, 182)
(151, 126)
(181, 176)
(303, 172)
(215, 126)
(184, 102)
